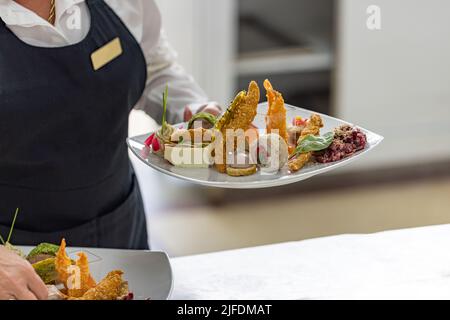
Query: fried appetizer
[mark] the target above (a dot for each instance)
(240, 164)
(46, 270)
(312, 127)
(86, 280)
(64, 268)
(241, 171)
(112, 287)
(62, 263)
(239, 115)
(42, 252)
(276, 113)
(242, 111)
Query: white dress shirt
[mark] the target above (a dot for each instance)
(143, 19)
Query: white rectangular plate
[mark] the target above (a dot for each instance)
(210, 177)
(148, 273)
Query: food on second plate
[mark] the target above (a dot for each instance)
(276, 112)
(205, 119)
(238, 171)
(346, 141)
(295, 130)
(83, 286)
(209, 140)
(312, 127)
(64, 265)
(46, 270)
(240, 164)
(242, 111)
(239, 115)
(308, 145)
(271, 152)
(42, 252)
(67, 279)
(189, 155)
(197, 136)
(112, 287)
(158, 139)
(190, 148)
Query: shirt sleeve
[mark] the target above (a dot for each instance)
(163, 69)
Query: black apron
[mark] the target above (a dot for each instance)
(63, 156)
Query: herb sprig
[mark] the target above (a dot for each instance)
(164, 98)
(311, 143)
(10, 230)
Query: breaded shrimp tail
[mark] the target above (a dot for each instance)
(276, 113)
(110, 288)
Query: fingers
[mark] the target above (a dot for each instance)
(5, 295)
(33, 283)
(37, 287)
(22, 293)
(187, 113)
(212, 109)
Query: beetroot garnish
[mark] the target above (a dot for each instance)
(347, 141)
(155, 145)
(130, 296)
(149, 140)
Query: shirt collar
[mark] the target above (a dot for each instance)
(14, 14)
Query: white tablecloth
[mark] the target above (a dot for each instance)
(410, 264)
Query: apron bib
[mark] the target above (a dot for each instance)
(63, 126)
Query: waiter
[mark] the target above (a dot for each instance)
(70, 73)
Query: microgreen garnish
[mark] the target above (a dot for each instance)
(12, 226)
(10, 230)
(164, 97)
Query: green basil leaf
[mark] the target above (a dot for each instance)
(312, 143)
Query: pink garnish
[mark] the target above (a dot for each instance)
(155, 145)
(298, 121)
(149, 140)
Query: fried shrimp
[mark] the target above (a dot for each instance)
(86, 281)
(312, 127)
(63, 263)
(276, 114)
(75, 276)
(112, 287)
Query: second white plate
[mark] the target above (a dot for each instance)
(210, 177)
(149, 273)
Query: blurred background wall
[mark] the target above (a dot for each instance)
(321, 55)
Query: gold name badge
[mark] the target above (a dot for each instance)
(106, 54)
